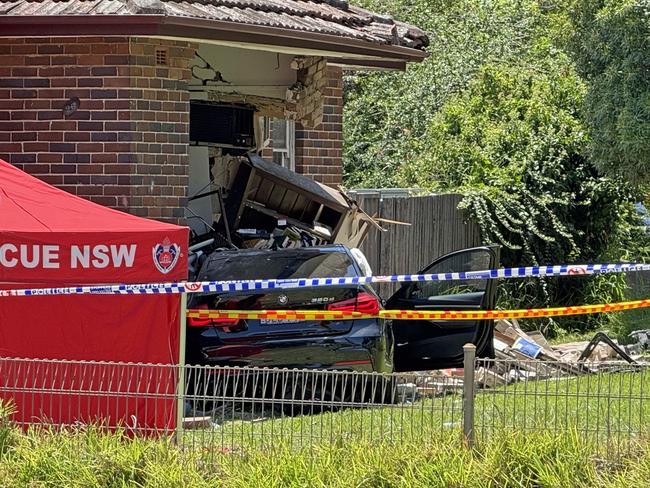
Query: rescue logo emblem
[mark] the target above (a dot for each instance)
(165, 255)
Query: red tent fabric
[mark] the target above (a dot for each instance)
(50, 238)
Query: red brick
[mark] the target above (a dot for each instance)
(23, 136)
(115, 59)
(106, 201)
(90, 147)
(36, 168)
(9, 60)
(52, 93)
(64, 168)
(103, 115)
(76, 136)
(64, 60)
(12, 104)
(23, 93)
(11, 147)
(49, 158)
(52, 179)
(90, 82)
(77, 71)
(48, 48)
(90, 60)
(94, 168)
(10, 126)
(50, 136)
(64, 125)
(76, 49)
(102, 157)
(36, 60)
(63, 82)
(50, 115)
(51, 71)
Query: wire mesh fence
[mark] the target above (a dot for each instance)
(139, 398)
(607, 404)
(243, 408)
(218, 410)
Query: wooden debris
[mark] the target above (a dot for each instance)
(192, 423)
(489, 378)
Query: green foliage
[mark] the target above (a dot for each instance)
(508, 459)
(386, 113)
(496, 113)
(611, 43)
(512, 143)
(6, 432)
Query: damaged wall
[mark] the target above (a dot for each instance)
(281, 86)
(319, 150)
(309, 90)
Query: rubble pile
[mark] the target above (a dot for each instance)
(521, 356)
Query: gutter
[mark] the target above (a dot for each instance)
(196, 29)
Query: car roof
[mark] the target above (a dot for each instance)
(294, 250)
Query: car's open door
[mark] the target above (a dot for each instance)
(422, 344)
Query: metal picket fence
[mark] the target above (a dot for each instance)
(246, 408)
(606, 404)
(229, 409)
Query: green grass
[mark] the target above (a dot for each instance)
(608, 409)
(92, 459)
(534, 436)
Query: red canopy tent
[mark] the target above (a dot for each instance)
(50, 238)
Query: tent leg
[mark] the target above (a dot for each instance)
(180, 397)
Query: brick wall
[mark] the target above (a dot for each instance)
(126, 145)
(319, 150)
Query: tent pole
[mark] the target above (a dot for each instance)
(180, 400)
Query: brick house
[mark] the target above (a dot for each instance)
(134, 103)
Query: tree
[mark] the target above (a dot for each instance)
(497, 113)
(387, 113)
(512, 143)
(611, 44)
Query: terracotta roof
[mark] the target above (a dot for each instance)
(329, 17)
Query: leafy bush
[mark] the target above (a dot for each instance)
(386, 113)
(512, 142)
(496, 113)
(611, 43)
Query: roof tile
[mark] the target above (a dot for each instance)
(333, 17)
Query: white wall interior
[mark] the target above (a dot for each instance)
(199, 183)
(245, 71)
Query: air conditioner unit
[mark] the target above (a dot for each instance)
(223, 125)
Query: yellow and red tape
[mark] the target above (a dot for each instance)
(419, 315)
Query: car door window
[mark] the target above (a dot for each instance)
(431, 344)
(473, 260)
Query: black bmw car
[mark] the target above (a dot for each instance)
(360, 345)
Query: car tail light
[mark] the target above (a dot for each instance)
(225, 323)
(364, 303)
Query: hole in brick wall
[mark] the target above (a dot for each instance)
(161, 56)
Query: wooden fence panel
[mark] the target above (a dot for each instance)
(437, 227)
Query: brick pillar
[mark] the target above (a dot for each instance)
(319, 151)
(125, 146)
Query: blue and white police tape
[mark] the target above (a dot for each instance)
(286, 284)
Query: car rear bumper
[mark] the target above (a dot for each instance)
(364, 348)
